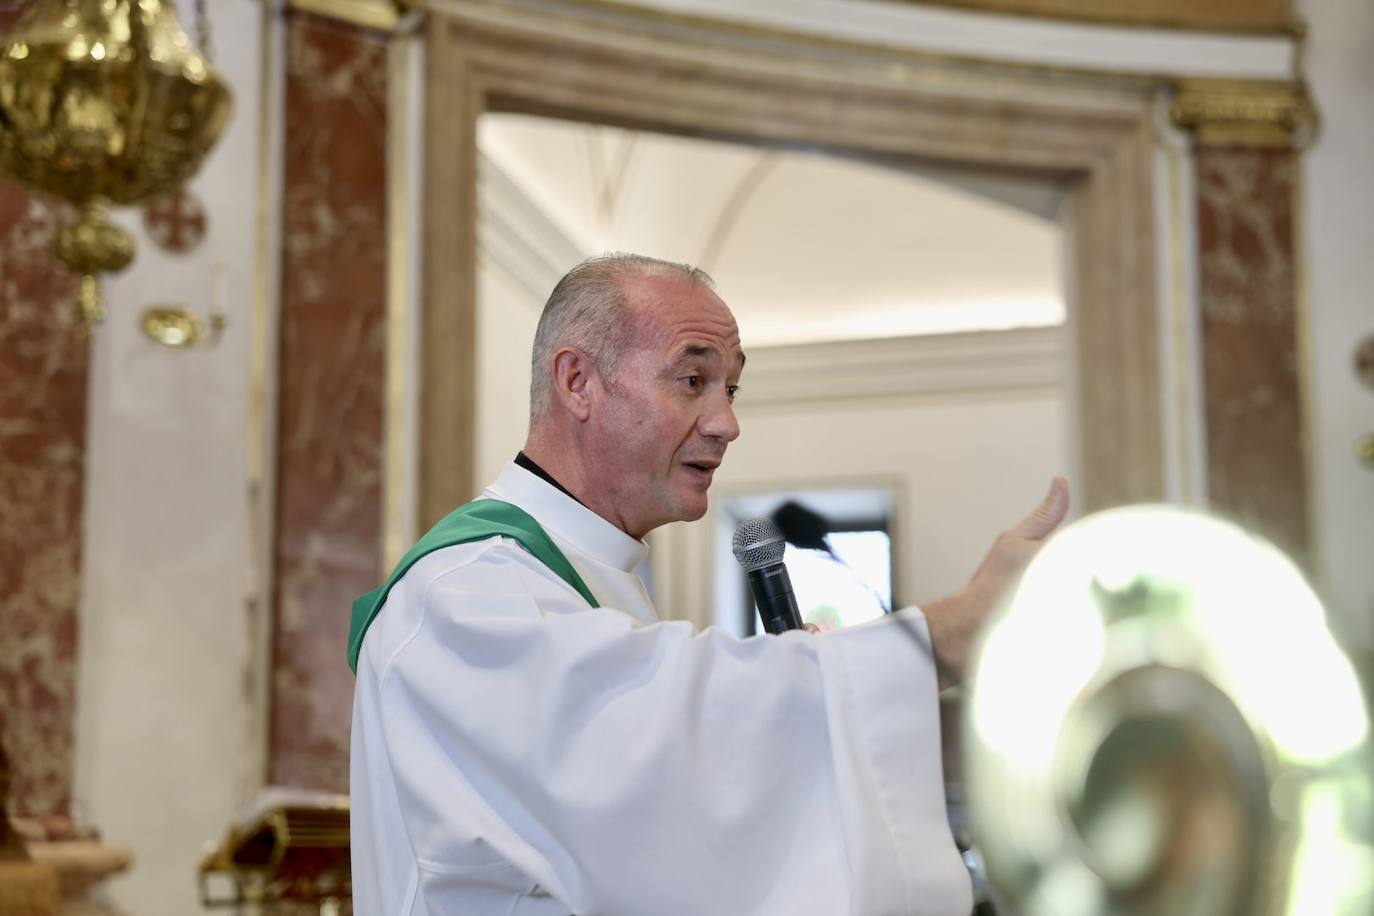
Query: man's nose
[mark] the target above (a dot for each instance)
(718, 421)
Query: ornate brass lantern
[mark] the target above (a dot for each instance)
(104, 102)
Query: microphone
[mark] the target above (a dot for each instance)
(758, 546)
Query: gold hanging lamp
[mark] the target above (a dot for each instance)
(104, 102)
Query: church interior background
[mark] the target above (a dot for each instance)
(971, 244)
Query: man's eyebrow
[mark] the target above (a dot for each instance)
(692, 350)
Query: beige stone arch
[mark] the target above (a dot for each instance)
(591, 62)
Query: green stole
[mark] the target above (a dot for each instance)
(475, 521)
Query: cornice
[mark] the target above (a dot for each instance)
(766, 36)
(1263, 17)
(1217, 111)
(916, 366)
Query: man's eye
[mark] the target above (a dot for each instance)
(732, 390)
(693, 381)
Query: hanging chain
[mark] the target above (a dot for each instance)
(207, 49)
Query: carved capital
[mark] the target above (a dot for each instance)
(1244, 112)
(382, 15)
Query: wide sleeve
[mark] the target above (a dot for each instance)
(637, 770)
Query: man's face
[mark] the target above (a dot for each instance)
(666, 417)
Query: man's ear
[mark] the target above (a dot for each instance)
(573, 374)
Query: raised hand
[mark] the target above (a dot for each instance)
(954, 621)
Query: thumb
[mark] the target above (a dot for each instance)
(1041, 523)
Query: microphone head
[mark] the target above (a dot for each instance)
(758, 543)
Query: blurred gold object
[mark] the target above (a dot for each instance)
(1161, 724)
(382, 15)
(1365, 449)
(1233, 112)
(177, 327)
(290, 846)
(104, 102)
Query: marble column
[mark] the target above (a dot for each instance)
(43, 369)
(1248, 139)
(1256, 463)
(332, 387)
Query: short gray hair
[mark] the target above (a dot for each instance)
(587, 310)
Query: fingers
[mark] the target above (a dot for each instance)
(1041, 523)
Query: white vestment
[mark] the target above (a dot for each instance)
(516, 752)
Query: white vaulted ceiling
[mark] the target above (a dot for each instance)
(804, 246)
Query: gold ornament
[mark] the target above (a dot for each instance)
(104, 102)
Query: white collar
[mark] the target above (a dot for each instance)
(567, 519)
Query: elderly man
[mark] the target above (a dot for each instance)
(530, 738)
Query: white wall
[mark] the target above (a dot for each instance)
(967, 466)
(162, 644)
(964, 457)
(1339, 217)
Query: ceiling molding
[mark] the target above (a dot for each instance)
(735, 203)
(936, 364)
(517, 238)
(922, 35)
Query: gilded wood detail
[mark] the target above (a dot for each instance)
(382, 15)
(1244, 112)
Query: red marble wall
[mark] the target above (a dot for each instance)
(1253, 406)
(43, 365)
(332, 387)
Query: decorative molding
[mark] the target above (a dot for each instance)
(517, 237)
(1265, 16)
(1244, 112)
(261, 422)
(936, 364)
(448, 282)
(589, 63)
(1179, 323)
(403, 136)
(916, 36)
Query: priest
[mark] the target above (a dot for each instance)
(530, 737)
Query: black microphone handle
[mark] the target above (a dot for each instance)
(773, 593)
